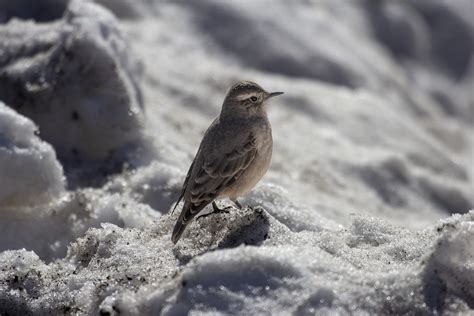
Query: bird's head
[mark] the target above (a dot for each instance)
(247, 98)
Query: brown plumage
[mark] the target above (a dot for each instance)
(234, 154)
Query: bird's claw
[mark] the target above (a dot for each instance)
(216, 210)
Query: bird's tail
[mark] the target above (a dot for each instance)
(178, 231)
(188, 212)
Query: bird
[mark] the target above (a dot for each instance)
(233, 156)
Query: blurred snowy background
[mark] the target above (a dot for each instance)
(366, 204)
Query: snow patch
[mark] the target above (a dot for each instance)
(29, 171)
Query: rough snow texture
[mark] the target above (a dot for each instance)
(373, 150)
(248, 262)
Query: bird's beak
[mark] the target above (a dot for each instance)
(273, 94)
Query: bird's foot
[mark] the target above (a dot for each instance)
(216, 210)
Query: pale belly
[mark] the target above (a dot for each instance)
(253, 173)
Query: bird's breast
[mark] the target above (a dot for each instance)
(256, 170)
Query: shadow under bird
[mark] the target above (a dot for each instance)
(234, 154)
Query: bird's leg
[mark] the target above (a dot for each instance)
(237, 203)
(215, 210)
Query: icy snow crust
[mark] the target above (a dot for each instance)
(248, 262)
(357, 215)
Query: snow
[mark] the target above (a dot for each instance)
(372, 267)
(365, 208)
(29, 171)
(100, 114)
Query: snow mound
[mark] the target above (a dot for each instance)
(29, 171)
(76, 79)
(137, 271)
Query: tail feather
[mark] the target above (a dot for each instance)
(178, 231)
(188, 212)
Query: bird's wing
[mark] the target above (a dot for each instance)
(218, 173)
(185, 184)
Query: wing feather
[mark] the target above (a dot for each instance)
(218, 174)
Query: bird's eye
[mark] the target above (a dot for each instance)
(254, 99)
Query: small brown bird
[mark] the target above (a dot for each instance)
(233, 156)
